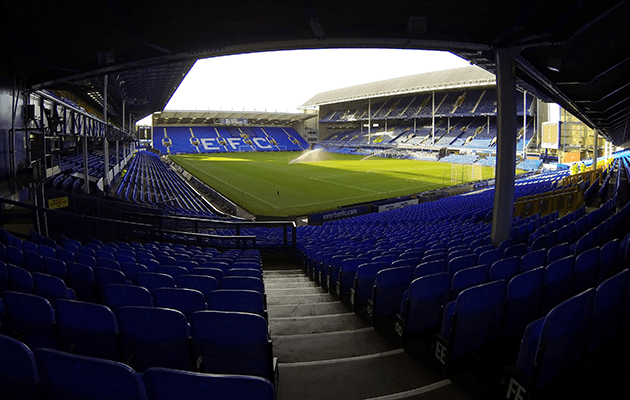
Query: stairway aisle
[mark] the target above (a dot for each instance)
(325, 351)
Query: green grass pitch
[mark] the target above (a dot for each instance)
(266, 183)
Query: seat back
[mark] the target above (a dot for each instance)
(81, 279)
(505, 268)
(185, 300)
(389, 286)
(172, 270)
(586, 270)
(116, 296)
(88, 329)
(422, 311)
(20, 280)
(155, 280)
(534, 259)
(33, 317)
(204, 284)
(167, 384)
(523, 297)
(65, 376)
(51, 288)
(469, 277)
(237, 300)
(232, 343)
(154, 337)
(429, 268)
(242, 283)
(18, 372)
(558, 283)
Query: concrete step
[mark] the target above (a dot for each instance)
(355, 378)
(299, 299)
(316, 324)
(274, 291)
(311, 309)
(289, 284)
(329, 345)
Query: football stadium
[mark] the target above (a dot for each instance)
(457, 234)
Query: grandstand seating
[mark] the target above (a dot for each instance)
(175, 140)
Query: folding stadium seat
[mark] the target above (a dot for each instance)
(166, 260)
(471, 322)
(108, 263)
(202, 283)
(88, 329)
(237, 301)
(116, 296)
(155, 280)
(188, 264)
(554, 343)
(232, 343)
(20, 279)
(333, 271)
(213, 272)
(65, 376)
(155, 337)
(505, 268)
(29, 246)
(421, 305)
(609, 259)
(462, 262)
(389, 286)
(33, 262)
(166, 384)
(458, 253)
(55, 267)
(557, 252)
(515, 250)
(439, 256)
(185, 300)
(18, 371)
(347, 273)
(106, 276)
(81, 279)
(242, 283)
(363, 282)
(609, 310)
(469, 277)
(32, 317)
(51, 287)
(522, 302)
(4, 277)
(532, 260)
(172, 270)
(586, 270)
(14, 256)
(429, 267)
(131, 271)
(558, 283)
(85, 259)
(256, 273)
(65, 255)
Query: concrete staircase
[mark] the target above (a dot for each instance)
(326, 351)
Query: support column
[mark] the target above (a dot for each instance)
(506, 148)
(369, 121)
(595, 148)
(105, 142)
(433, 118)
(524, 123)
(86, 181)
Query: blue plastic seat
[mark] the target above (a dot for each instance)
(462, 262)
(204, 284)
(478, 311)
(131, 271)
(32, 317)
(65, 255)
(333, 271)
(469, 277)
(347, 272)
(489, 257)
(389, 286)
(237, 300)
(222, 265)
(47, 251)
(51, 287)
(242, 283)
(154, 280)
(256, 273)
(55, 267)
(555, 343)
(505, 268)
(515, 250)
(532, 260)
(109, 263)
(172, 270)
(557, 252)
(18, 372)
(232, 343)
(65, 376)
(154, 337)
(33, 262)
(4, 277)
(610, 310)
(86, 259)
(88, 329)
(522, 302)
(81, 279)
(167, 384)
(213, 272)
(609, 259)
(20, 280)
(429, 268)
(106, 276)
(14, 256)
(116, 296)
(421, 305)
(363, 282)
(586, 270)
(185, 300)
(558, 283)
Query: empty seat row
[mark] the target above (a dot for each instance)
(54, 375)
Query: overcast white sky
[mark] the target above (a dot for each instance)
(283, 80)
